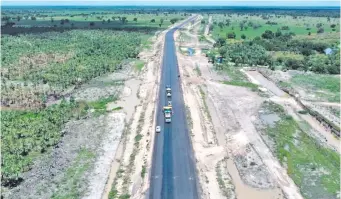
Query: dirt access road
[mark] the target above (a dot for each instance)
(232, 159)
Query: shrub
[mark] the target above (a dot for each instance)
(268, 34)
(231, 35)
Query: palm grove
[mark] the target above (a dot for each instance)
(36, 66)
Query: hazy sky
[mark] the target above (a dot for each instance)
(176, 2)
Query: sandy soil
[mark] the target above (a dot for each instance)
(207, 30)
(138, 139)
(223, 133)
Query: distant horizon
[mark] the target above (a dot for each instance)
(240, 3)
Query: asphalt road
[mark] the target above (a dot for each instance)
(173, 173)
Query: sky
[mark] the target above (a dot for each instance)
(176, 2)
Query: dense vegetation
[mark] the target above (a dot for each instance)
(25, 134)
(299, 42)
(37, 66)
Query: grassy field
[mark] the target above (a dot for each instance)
(99, 19)
(300, 26)
(314, 168)
(325, 86)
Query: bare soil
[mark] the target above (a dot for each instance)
(224, 137)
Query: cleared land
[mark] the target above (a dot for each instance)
(236, 131)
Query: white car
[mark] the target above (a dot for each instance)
(158, 129)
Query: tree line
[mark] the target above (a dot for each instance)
(256, 52)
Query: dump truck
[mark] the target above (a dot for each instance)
(167, 110)
(168, 91)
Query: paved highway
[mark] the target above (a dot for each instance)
(173, 173)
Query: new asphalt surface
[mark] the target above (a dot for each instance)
(173, 174)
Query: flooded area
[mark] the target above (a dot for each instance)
(269, 118)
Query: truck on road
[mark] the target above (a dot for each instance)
(167, 110)
(168, 91)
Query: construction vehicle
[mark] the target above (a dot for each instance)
(168, 91)
(167, 110)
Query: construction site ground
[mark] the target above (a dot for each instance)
(233, 158)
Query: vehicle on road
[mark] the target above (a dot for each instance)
(169, 103)
(168, 91)
(167, 110)
(158, 129)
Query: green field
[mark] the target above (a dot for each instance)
(298, 26)
(78, 19)
(326, 86)
(314, 168)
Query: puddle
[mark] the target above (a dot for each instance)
(190, 51)
(243, 191)
(129, 98)
(269, 119)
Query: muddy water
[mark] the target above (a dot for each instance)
(243, 191)
(269, 119)
(129, 98)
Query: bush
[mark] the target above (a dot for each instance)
(220, 42)
(244, 53)
(243, 36)
(303, 112)
(268, 34)
(320, 30)
(285, 28)
(231, 35)
(294, 63)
